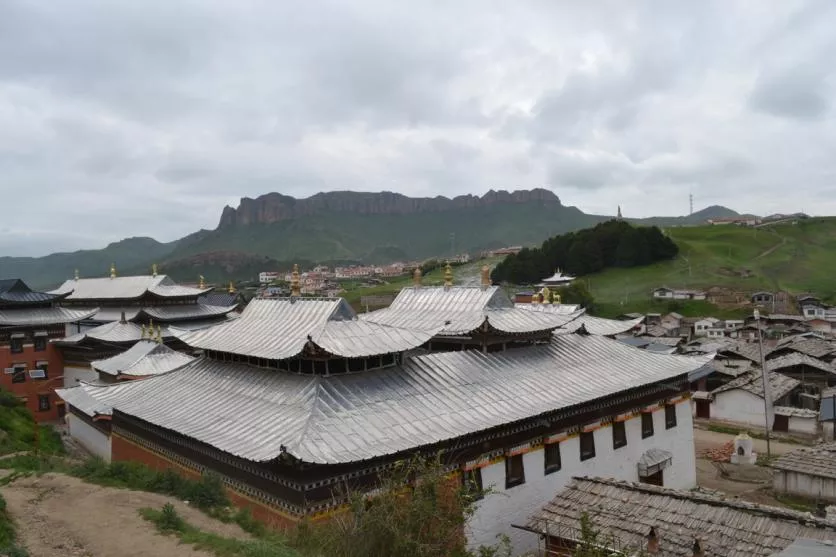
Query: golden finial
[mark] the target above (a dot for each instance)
(154, 270)
(112, 270)
(556, 299)
(547, 295)
(416, 277)
(142, 335)
(448, 275)
(150, 327)
(486, 275)
(294, 282)
(76, 274)
(159, 335)
(202, 283)
(231, 289)
(535, 297)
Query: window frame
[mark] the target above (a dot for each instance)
(550, 466)
(514, 481)
(19, 373)
(40, 344)
(670, 420)
(44, 407)
(589, 454)
(647, 416)
(16, 345)
(619, 426)
(472, 484)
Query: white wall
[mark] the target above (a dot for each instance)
(498, 510)
(738, 406)
(90, 438)
(804, 425)
(71, 374)
(805, 485)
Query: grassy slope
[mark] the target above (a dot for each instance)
(795, 258)
(17, 429)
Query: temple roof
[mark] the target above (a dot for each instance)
(166, 313)
(125, 288)
(281, 328)
(115, 331)
(15, 291)
(258, 413)
(601, 326)
(42, 316)
(144, 358)
(458, 310)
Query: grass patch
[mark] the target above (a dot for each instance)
(169, 522)
(19, 432)
(756, 434)
(8, 536)
(796, 503)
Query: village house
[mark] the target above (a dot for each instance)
(32, 366)
(634, 518)
(702, 326)
(665, 293)
(809, 472)
(763, 299)
(522, 421)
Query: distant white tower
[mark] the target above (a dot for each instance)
(619, 213)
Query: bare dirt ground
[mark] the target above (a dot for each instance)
(704, 439)
(62, 515)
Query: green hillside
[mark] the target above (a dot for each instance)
(797, 258)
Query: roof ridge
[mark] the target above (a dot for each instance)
(710, 499)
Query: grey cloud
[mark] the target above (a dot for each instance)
(800, 93)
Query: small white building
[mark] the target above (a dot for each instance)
(557, 279)
(664, 293)
(732, 324)
(808, 472)
(716, 332)
(740, 401)
(266, 277)
(702, 326)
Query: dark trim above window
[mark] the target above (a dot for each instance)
(647, 425)
(670, 416)
(619, 435)
(587, 445)
(514, 471)
(551, 457)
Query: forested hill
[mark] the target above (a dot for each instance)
(613, 243)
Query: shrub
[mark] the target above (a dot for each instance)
(169, 520)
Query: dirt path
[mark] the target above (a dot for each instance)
(704, 439)
(61, 515)
(773, 248)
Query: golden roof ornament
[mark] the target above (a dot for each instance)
(556, 299)
(546, 295)
(448, 275)
(294, 282)
(486, 275)
(416, 277)
(535, 297)
(142, 334)
(154, 270)
(112, 270)
(231, 289)
(159, 335)
(202, 283)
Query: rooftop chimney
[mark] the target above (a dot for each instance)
(652, 542)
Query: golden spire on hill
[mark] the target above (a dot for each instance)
(202, 283)
(486, 276)
(448, 275)
(231, 289)
(295, 291)
(416, 277)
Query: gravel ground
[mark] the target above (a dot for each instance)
(62, 515)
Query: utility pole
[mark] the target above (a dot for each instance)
(767, 395)
(833, 406)
(691, 203)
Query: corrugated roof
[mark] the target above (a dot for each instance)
(602, 327)
(182, 312)
(798, 359)
(42, 316)
(89, 399)
(625, 512)
(144, 358)
(222, 299)
(115, 331)
(15, 291)
(124, 288)
(749, 350)
(752, 382)
(459, 310)
(565, 309)
(252, 412)
(279, 328)
(814, 347)
(815, 461)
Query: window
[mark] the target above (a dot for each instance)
(552, 457)
(43, 403)
(514, 471)
(670, 416)
(19, 373)
(473, 483)
(647, 425)
(40, 344)
(38, 374)
(17, 345)
(619, 435)
(587, 445)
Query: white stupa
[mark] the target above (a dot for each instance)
(557, 279)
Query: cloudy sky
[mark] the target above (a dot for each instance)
(126, 118)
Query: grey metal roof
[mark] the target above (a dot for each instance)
(279, 328)
(124, 288)
(222, 299)
(115, 331)
(42, 316)
(182, 312)
(459, 310)
(752, 382)
(565, 309)
(600, 326)
(89, 399)
(815, 461)
(732, 368)
(749, 350)
(814, 347)
(144, 358)
(15, 291)
(653, 459)
(115, 314)
(808, 548)
(253, 412)
(625, 512)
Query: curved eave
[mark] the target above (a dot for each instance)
(42, 316)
